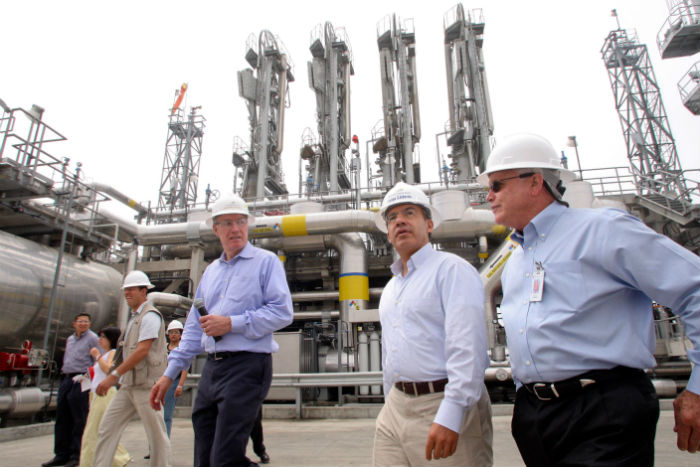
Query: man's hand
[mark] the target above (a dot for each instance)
(158, 392)
(215, 325)
(442, 442)
(106, 383)
(686, 411)
(178, 391)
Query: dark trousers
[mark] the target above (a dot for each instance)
(609, 423)
(229, 397)
(72, 407)
(256, 435)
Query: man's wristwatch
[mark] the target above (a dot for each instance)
(115, 373)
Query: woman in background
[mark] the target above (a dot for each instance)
(98, 404)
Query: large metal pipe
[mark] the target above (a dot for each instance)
(26, 277)
(169, 300)
(119, 196)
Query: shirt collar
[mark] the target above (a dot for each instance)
(246, 253)
(138, 310)
(541, 225)
(416, 260)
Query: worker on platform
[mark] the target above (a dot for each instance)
(246, 297)
(73, 403)
(142, 361)
(437, 409)
(577, 308)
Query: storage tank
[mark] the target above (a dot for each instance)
(27, 272)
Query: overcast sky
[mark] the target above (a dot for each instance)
(106, 76)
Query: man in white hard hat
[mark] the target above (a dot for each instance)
(246, 296)
(437, 409)
(174, 332)
(578, 316)
(142, 361)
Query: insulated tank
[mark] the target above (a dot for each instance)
(27, 272)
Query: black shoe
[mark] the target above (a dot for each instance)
(54, 462)
(147, 456)
(72, 463)
(264, 458)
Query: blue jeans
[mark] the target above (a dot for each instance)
(169, 406)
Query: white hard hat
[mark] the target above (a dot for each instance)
(137, 279)
(229, 204)
(403, 193)
(174, 324)
(524, 151)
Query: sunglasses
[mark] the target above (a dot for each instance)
(496, 185)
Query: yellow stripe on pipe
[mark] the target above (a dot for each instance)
(294, 226)
(354, 286)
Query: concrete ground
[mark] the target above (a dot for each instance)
(326, 442)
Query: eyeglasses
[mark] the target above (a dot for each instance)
(242, 222)
(498, 184)
(408, 213)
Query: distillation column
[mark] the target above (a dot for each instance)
(264, 87)
(183, 150)
(651, 148)
(471, 121)
(397, 60)
(329, 78)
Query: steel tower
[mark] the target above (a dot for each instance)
(471, 121)
(397, 60)
(264, 87)
(651, 149)
(183, 150)
(329, 78)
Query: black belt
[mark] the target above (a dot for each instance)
(424, 387)
(223, 355)
(573, 386)
(70, 375)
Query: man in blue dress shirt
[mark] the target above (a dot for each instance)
(73, 403)
(247, 298)
(577, 308)
(434, 349)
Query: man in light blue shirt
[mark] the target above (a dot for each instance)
(434, 351)
(577, 308)
(246, 296)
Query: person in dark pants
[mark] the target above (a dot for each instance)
(577, 308)
(247, 299)
(73, 404)
(256, 436)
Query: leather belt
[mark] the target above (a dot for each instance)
(70, 375)
(223, 355)
(421, 388)
(575, 385)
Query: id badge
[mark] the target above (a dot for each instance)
(537, 283)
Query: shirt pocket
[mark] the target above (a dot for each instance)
(243, 293)
(423, 318)
(565, 286)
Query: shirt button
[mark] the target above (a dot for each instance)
(521, 331)
(527, 274)
(394, 349)
(543, 235)
(524, 302)
(396, 325)
(529, 248)
(527, 362)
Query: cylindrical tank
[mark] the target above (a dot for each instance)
(26, 277)
(375, 358)
(363, 358)
(449, 203)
